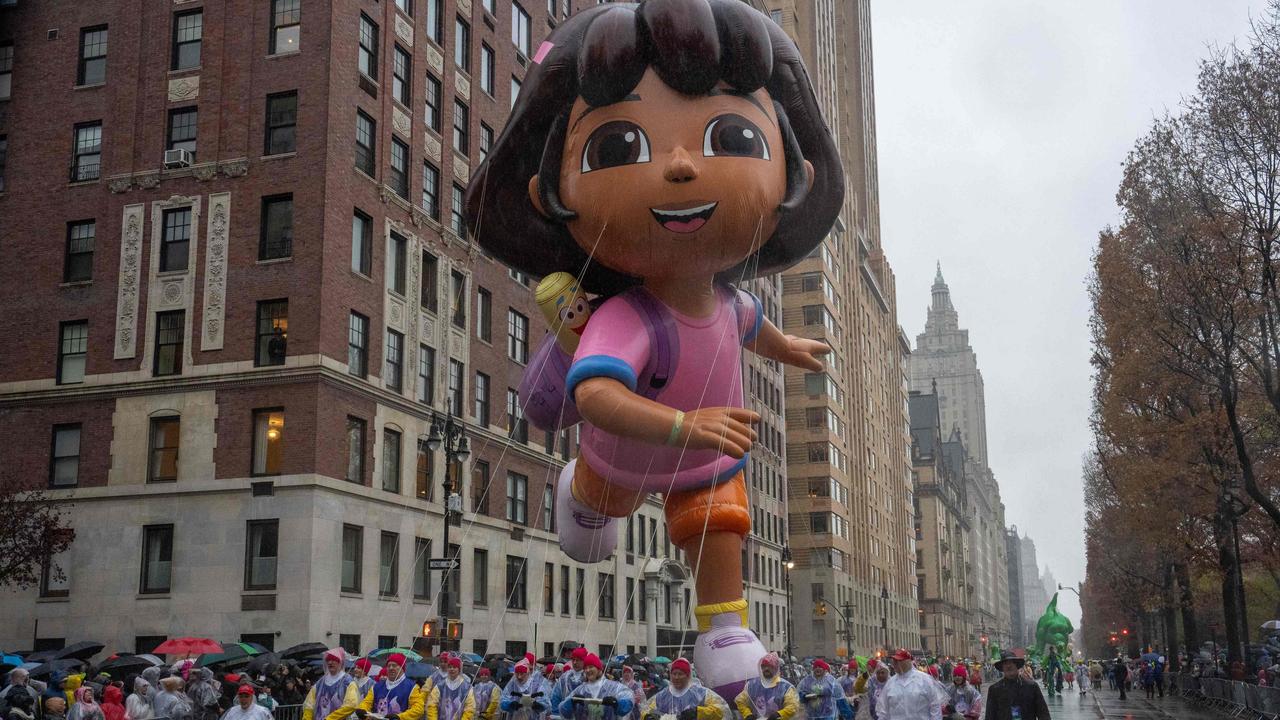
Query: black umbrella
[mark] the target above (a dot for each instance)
(54, 666)
(40, 656)
(305, 650)
(79, 651)
(121, 667)
(258, 665)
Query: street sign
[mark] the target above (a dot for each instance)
(444, 563)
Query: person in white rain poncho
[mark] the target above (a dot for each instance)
(911, 694)
(245, 707)
(171, 702)
(615, 700)
(1082, 677)
(527, 695)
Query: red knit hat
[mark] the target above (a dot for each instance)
(820, 663)
(455, 662)
(397, 658)
(593, 660)
(579, 653)
(533, 660)
(959, 672)
(682, 665)
(853, 664)
(364, 664)
(483, 672)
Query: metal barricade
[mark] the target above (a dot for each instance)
(1265, 702)
(287, 712)
(1239, 698)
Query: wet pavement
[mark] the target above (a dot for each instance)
(1107, 705)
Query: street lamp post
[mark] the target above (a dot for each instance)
(884, 617)
(788, 564)
(450, 435)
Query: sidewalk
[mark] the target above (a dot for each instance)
(1109, 706)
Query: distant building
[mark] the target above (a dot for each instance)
(1013, 558)
(1034, 597)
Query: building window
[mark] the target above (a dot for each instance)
(78, 264)
(461, 128)
(282, 123)
(389, 564)
(272, 334)
(390, 460)
(458, 298)
(426, 375)
(355, 450)
(424, 489)
(87, 161)
(421, 569)
(479, 486)
(6, 70)
(358, 345)
(606, 595)
(517, 498)
(551, 9)
(401, 71)
(73, 349)
(776, 16)
(188, 29)
(520, 29)
(456, 371)
(268, 441)
(395, 361)
(92, 68)
(482, 399)
(352, 557)
(361, 243)
(433, 102)
(548, 588)
(350, 642)
(368, 57)
(175, 240)
(462, 44)
(406, 7)
(261, 555)
(517, 337)
(276, 239)
(400, 168)
(487, 69)
(486, 140)
(4, 157)
(157, 559)
(517, 425)
(366, 143)
(484, 314)
(564, 589)
(64, 462)
(580, 601)
(182, 130)
(430, 282)
(631, 599)
(457, 213)
(431, 190)
(286, 26)
(516, 599)
(480, 578)
(163, 465)
(515, 89)
(170, 332)
(549, 508)
(435, 21)
(491, 7)
(397, 259)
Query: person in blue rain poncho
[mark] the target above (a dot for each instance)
(451, 698)
(527, 695)
(487, 695)
(394, 697)
(684, 699)
(637, 690)
(770, 696)
(597, 698)
(822, 696)
(569, 680)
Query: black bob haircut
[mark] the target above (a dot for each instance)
(600, 54)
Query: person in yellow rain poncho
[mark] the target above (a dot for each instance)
(70, 686)
(770, 696)
(394, 697)
(451, 698)
(685, 700)
(335, 695)
(486, 692)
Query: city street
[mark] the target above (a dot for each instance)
(1108, 706)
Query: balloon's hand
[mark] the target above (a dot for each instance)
(803, 353)
(719, 428)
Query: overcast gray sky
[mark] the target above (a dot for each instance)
(1001, 128)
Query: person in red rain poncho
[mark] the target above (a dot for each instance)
(112, 703)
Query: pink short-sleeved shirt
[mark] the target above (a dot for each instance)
(707, 372)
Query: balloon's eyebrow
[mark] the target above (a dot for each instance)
(630, 98)
(739, 93)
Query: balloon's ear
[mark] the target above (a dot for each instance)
(808, 173)
(536, 198)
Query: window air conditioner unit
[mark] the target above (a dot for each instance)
(177, 158)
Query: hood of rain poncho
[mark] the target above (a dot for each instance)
(340, 655)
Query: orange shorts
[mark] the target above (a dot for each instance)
(718, 508)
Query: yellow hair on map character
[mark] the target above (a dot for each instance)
(565, 307)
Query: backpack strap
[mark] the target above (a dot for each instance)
(664, 342)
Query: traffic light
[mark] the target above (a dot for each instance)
(430, 628)
(984, 639)
(455, 629)
(1114, 639)
(1125, 632)
(820, 607)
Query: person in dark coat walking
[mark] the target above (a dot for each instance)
(1122, 677)
(1012, 697)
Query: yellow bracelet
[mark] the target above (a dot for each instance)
(675, 428)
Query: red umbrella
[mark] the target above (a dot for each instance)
(187, 646)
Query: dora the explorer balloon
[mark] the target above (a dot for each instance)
(660, 153)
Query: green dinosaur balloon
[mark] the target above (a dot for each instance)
(1053, 628)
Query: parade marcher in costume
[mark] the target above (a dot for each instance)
(1082, 677)
(527, 695)
(335, 695)
(1014, 697)
(394, 696)
(438, 674)
(360, 673)
(569, 680)
(451, 698)
(849, 686)
(875, 686)
(685, 699)
(769, 696)
(703, 111)
(637, 690)
(964, 701)
(245, 707)
(615, 697)
(822, 696)
(486, 693)
(910, 694)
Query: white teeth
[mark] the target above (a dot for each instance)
(689, 212)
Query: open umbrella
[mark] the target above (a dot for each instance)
(230, 652)
(54, 666)
(419, 670)
(187, 646)
(410, 655)
(121, 667)
(9, 662)
(79, 651)
(1271, 625)
(662, 660)
(40, 655)
(304, 650)
(258, 665)
(471, 658)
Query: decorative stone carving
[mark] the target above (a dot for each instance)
(461, 169)
(204, 172)
(464, 7)
(432, 144)
(215, 272)
(396, 313)
(428, 328)
(384, 194)
(463, 86)
(130, 277)
(235, 168)
(171, 292)
(435, 59)
(184, 88)
(401, 123)
(404, 30)
(417, 217)
(148, 180)
(120, 184)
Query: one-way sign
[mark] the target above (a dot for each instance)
(443, 563)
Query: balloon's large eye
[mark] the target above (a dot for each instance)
(620, 142)
(732, 135)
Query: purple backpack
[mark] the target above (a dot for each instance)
(542, 388)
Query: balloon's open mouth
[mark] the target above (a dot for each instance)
(684, 220)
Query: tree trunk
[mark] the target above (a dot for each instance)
(1230, 605)
(1190, 631)
(1169, 603)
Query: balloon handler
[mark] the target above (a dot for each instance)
(660, 153)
